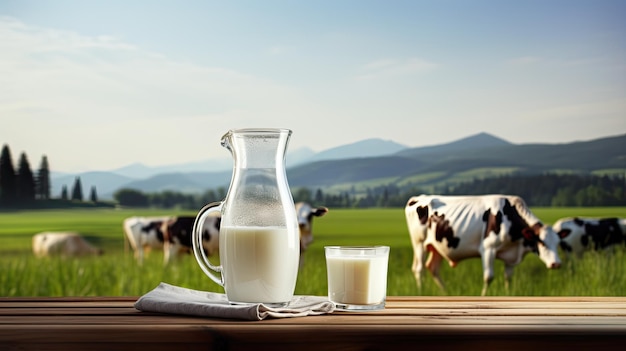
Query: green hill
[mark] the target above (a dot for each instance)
(471, 158)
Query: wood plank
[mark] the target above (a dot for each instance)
(473, 323)
(617, 309)
(102, 312)
(549, 322)
(137, 333)
(314, 337)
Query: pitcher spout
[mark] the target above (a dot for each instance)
(257, 148)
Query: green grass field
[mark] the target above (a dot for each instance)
(116, 273)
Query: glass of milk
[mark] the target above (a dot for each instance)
(357, 276)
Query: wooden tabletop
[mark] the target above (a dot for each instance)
(466, 323)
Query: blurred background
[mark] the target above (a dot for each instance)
(117, 105)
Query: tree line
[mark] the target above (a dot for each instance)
(554, 189)
(20, 187)
(537, 190)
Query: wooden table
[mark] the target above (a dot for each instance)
(465, 323)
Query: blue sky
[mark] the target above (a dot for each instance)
(97, 85)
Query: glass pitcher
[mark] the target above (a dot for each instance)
(259, 237)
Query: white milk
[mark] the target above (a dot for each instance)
(357, 280)
(260, 263)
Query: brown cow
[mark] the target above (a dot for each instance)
(68, 244)
(305, 213)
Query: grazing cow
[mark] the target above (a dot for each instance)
(305, 213)
(578, 234)
(177, 231)
(177, 236)
(173, 234)
(68, 244)
(490, 226)
(144, 234)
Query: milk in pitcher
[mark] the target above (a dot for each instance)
(254, 263)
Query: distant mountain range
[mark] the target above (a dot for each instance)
(374, 162)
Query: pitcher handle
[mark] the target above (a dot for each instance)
(196, 243)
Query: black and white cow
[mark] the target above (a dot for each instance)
(173, 234)
(144, 234)
(490, 227)
(170, 233)
(580, 234)
(177, 236)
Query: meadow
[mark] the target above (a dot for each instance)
(116, 273)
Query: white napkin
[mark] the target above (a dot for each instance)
(167, 298)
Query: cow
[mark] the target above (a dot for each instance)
(579, 234)
(173, 234)
(177, 231)
(488, 226)
(67, 244)
(305, 213)
(177, 236)
(144, 234)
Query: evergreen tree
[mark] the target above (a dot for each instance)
(64, 193)
(93, 197)
(43, 179)
(25, 181)
(77, 190)
(8, 181)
